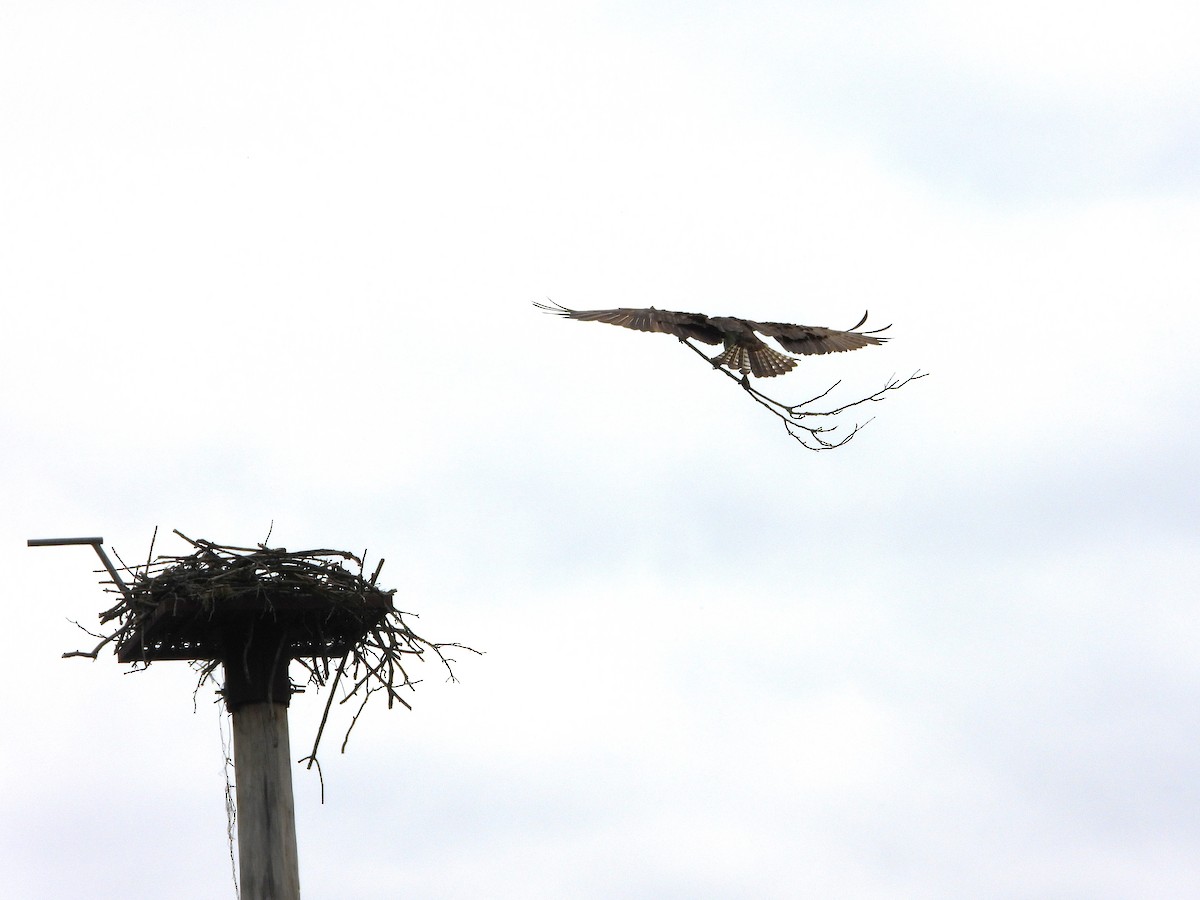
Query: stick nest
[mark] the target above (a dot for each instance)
(336, 623)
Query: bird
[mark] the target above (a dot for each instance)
(744, 350)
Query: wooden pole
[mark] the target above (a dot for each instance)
(257, 692)
(266, 815)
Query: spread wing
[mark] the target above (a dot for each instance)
(813, 340)
(680, 324)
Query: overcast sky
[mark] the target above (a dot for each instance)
(273, 262)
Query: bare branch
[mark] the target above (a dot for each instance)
(810, 436)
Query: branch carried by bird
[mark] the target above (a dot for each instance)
(745, 352)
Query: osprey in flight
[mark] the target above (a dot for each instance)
(744, 351)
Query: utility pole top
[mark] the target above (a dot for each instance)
(255, 610)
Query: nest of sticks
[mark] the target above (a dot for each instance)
(341, 628)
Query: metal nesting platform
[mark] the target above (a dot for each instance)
(189, 628)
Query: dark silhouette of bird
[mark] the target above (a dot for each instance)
(744, 351)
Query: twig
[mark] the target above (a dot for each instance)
(811, 437)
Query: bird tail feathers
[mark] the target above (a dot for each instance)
(761, 361)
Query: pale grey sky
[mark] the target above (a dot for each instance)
(274, 262)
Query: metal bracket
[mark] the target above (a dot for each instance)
(95, 543)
